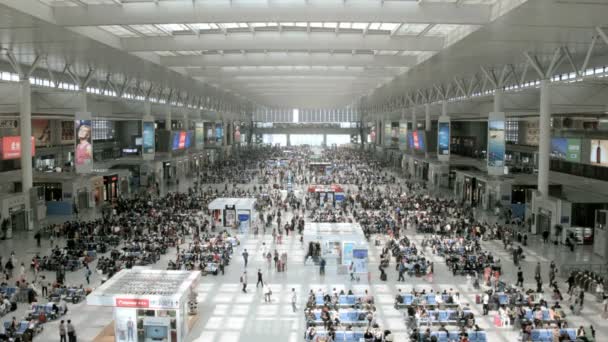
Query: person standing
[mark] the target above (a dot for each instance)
(401, 271)
(294, 299)
(260, 281)
(486, 303)
(71, 332)
(267, 293)
(62, 332)
(537, 270)
(245, 256)
(244, 281)
(87, 274)
(520, 278)
(37, 237)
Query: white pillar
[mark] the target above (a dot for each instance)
(498, 101)
(427, 117)
(186, 121)
(545, 138)
(168, 117)
(25, 129)
(414, 121)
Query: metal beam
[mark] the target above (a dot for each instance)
(312, 72)
(183, 12)
(283, 41)
(289, 60)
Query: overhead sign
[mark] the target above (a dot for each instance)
(11, 147)
(132, 303)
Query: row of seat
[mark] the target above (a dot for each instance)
(546, 335)
(429, 299)
(442, 336)
(342, 299)
(348, 317)
(344, 336)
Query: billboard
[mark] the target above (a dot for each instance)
(179, 139)
(496, 143)
(410, 140)
(599, 152)
(403, 135)
(443, 139)
(84, 143)
(394, 137)
(219, 133)
(209, 129)
(418, 141)
(148, 143)
(199, 135)
(237, 133)
(41, 130)
(566, 149)
(11, 147)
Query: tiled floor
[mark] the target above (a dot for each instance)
(227, 315)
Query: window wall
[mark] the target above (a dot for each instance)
(274, 139)
(338, 139)
(306, 139)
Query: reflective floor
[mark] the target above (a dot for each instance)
(228, 315)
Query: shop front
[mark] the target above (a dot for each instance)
(327, 194)
(149, 305)
(233, 212)
(110, 188)
(14, 215)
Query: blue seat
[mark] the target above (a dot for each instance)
(339, 335)
(481, 336)
(342, 300)
(408, 299)
(535, 335)
(22, 328)
(344, 317)
(454, 335)
(431, 299)
(503, 299)
(319, 300)
(358, 335)
(443, 316)
(349, 336)
(529, 316)
(317, 315)
(442, 336)
(546, 315)
(351, 299)
(571, 333)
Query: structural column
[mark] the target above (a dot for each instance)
(498, 101)
(414, 121)
(545, 138)
(427, 124)
(168, 117)
(25, 129)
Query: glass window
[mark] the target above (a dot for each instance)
(512, 132)
(103, 130)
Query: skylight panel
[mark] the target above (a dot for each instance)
(119, 31)
(165, 53)
(411, 29)
(316, 24)
(258, 24)
(330, 25)
(230, 25)
(301, 24)
(359, 26)
(345, 25)
(375, 26)
(442, 29)
(173, 27)
(203, 26)
(388, 26)
(149, 30)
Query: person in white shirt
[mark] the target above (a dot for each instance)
(294, 299)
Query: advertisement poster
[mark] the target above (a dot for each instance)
(372, 135)
(347, 252)
(496, 143)
(599, 152)
(41, 130)
(410, 140)
(403, 135)
(179, 140)
(387, 134)
(125, 324)
(209, 128)
(11, 147)
(84, 144)
(237, 133)
(360, 260)
(219, 133)
(394, 134)
(148, 143)
(443, 139)
(566, 149)
(67, 132)
(199, 135)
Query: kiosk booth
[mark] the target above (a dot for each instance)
(149, 305)
(341, 244)
(231, 211)
(328, 194)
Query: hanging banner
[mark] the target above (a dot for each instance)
(403, 135)
(84, 143)
(443, 138)
(148, 143)
(496, 144)
(199, 135)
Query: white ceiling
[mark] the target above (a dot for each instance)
(295, 53)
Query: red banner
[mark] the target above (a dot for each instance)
(132, 303)
(11, 147)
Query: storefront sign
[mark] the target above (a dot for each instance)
(9, 123)
(11, 147)
(132, 303)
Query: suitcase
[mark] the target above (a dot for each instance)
(477, 299)
(383, 277)
(497, 321)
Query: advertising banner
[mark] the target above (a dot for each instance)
(347, 253)
(599, 152)
(360, 260)
(219, 133)
(209, 129)
(403, 135)
(566, 149)
(443, 138)
(84, 143)
(496, 143)
(237, 133)
(41, 130)
(199, 135)
(148, 141)
(11, 147)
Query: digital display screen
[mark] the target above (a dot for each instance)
(179, 140)
(496, 143)
(443, 138)
(148, 137)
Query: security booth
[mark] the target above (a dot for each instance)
(231, 212)
(340, 244)
(327, 194)
(149, 305)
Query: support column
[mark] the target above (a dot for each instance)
(186, 121)
(168, 117)
(427, 125)
(498, 100)
(545, 138)
(414, 120)
(25, 130)
(288, 139)
(325, 140)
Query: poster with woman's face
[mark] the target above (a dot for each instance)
(84, 148)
